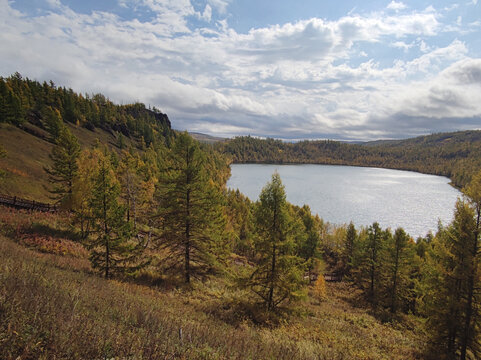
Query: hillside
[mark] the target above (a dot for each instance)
(31, 115)
(70, 313)
(455, 155)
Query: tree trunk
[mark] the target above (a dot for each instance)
(106, 230)
(394, 285)
(187, 241)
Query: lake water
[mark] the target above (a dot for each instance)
(340, 194)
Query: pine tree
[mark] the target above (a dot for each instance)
(279, 272)
(190, 213)
(111, 248)
(64, 156)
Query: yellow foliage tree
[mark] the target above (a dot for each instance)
(320, 287)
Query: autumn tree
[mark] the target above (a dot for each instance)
(111, 248)
(447, 297)
(137, 186)
(309, 239)
(240, 223)
(367, 262)
(472, 323)
(64, 156)
(398, 260)
(190, 213)
(82, 189)
(278, 275)
(351, 236)
(52, 121)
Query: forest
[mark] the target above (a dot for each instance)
(454, 155)
(150, 213)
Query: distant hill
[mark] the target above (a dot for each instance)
(204, 138)
(455, 155)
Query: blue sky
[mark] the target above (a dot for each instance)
(305, 69)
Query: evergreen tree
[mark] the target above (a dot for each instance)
(64, 156)
(349, 243)
(450, 265)
(367, 264)
(83, 188)
(279, 272)
(375, 238)
(137, 186)
(471, 329)
(52, 121)
(399, 258)
(190, 212)
(309, 239)
(111, 250)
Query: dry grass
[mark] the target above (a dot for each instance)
(27, 155)
(53, 306)
(23, 165)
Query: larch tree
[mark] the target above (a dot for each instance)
(63, 171)
(132, 185)
(279, 273)
(82, 190)
(111, 248)
(309, 239)
(190, 212)
(399, 256)
(451, 264)
(471, 328)
(367, 264)
(351, 237)
(375, 237)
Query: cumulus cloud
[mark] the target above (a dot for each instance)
(310, 78)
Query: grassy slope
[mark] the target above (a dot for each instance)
(28, 154)
(54, 306)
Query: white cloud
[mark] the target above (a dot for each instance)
(207, 14)
(395, 5)
(310, 78)
(219, 5)
(402, 45)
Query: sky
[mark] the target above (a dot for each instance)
(305, 69)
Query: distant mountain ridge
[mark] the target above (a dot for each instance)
(204, 138)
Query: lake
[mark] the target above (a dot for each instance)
(340, 194)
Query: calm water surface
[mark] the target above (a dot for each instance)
(340, 194)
